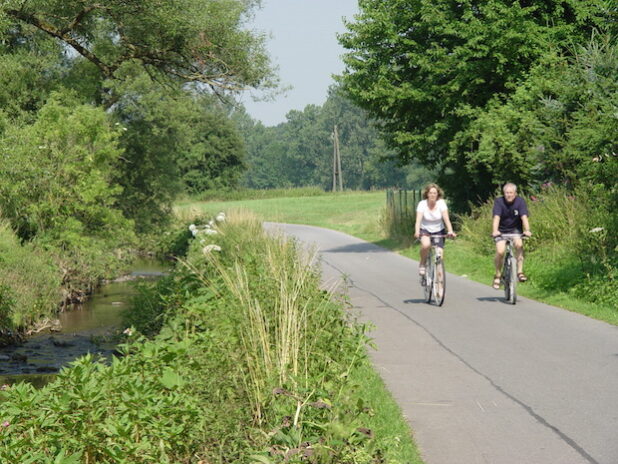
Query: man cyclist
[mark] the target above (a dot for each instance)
(510, 216)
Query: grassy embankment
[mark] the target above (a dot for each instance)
(237, 356)
(552, 270)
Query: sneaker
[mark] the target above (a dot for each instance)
(421, 270)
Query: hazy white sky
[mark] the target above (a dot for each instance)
(304, 46)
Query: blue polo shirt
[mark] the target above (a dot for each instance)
(510, 214)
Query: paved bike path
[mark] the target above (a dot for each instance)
(479, 380)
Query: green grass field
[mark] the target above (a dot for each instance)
(358, 214)
(355, 213)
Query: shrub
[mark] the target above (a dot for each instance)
(29, 282)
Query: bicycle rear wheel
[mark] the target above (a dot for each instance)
(439, 283)
(427, 280)
(509, 277)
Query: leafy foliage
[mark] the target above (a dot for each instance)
(29, 283)
(436, 75)
(190, 40)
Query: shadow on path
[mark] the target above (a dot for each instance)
(494, 299)
(357, 248)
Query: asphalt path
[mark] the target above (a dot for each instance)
(479, 380)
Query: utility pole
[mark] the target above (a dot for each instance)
(337, 175)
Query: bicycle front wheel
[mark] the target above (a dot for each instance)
(506, 278)
(513, 278)
(439, 283)
(428, 279)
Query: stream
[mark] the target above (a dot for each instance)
(89, 329)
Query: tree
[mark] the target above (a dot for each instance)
(425, 69)
(188, 40)
(56, 175)
(214, 153)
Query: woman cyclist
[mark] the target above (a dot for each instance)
(431, 219)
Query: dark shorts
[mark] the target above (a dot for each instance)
(439, 240)
(499, 238)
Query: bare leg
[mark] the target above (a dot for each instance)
(499, 258)
(519, 254)
(425, 245)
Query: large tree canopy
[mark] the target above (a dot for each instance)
(426, 68)
(193, 40)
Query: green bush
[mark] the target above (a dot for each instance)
(29, 282)
(57, 191)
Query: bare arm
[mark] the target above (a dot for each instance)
(494, 229)
(417, 226)
(447, 222)
(526, 224)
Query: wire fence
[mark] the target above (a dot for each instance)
(401, 212)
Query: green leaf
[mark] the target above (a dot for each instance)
(171, 379)
(262, 459)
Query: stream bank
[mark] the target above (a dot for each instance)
(92, 328)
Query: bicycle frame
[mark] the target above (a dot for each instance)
(509, 268)
(434, 280)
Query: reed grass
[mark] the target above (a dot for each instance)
(276, 331)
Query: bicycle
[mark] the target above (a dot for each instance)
(434, 279)
(509, 268)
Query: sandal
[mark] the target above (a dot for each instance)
(522, 277)
(496, 282)
(421, 270)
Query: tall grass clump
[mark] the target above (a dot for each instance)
(297, 346)
(29, 283)
(279, 332)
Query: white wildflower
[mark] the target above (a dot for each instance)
(220, 217)
(210, 248)
(128, 331)
(194, 232)
(211, 232)
(596, 229)
(192, 227)
(211, 223)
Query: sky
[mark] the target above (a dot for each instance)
(303, 44)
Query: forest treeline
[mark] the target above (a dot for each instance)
(299, 152)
